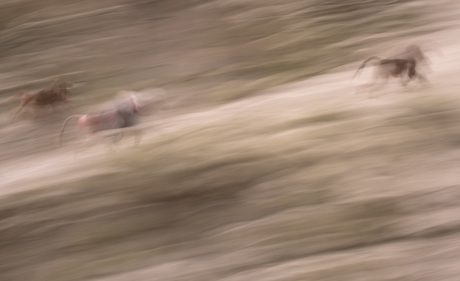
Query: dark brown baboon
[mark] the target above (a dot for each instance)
(404, 64)
(393, 67)
(405, 69)
(52, 95)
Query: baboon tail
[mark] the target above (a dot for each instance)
(364, 65)
(63, 126)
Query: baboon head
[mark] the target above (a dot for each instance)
(61, 82)
(414, 52)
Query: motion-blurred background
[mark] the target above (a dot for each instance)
(265, 166)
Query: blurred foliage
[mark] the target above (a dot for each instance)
(268, 186)
(215, 48)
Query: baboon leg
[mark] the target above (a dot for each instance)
(111, 145)
(21, 106)
(118, 137)
(114, 139)
(422, 78)
(137, 135)
(404, 80)
(426, 64)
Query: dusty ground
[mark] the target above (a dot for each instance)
(335, 90)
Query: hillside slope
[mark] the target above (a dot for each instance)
(304, 181)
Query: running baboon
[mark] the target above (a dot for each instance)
(394, 67)
(405, 69)
(404, 65)
(55, 93)
(124, 114)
